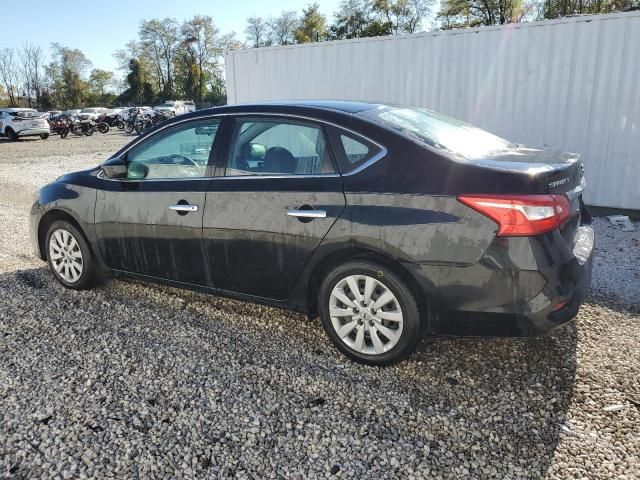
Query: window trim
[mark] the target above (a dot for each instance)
(376, 151)
(283, 118)
(166, 131)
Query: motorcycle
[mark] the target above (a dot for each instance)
(148, 121)
(83, 128)
(60, 125)
(101, 124)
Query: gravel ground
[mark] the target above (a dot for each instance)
(137, 381)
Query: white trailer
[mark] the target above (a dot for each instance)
(571, 84)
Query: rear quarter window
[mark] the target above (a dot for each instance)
(352, 150)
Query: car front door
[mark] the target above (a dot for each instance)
(270, 205)
(151, 222)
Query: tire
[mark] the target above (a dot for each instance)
(396, 335)
(128, 127)
(72, 271)
(120, 125)
(44, 136)
(89, 130)
(103, 127)
(11, 135)
(64, 132)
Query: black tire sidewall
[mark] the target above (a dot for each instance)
(88, 275)
(412, 327)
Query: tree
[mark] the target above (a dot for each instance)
(67, 72)
(31, 70)
(160, 38)
(402, 16)
(469, 13)
(257, 32)
(135, 93)
(313, 25)
(352, 19)
(281, 28)
(9, 74)
(100, 80)
(200, 48)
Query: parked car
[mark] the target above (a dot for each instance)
(23, 122)
(388, 222)
(91, 114)
(174, 107)
(189, 106)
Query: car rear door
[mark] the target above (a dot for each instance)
(275, 195)
(151, 222)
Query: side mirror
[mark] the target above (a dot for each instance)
(114, 168)
(137, 171)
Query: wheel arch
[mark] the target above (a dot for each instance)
(47, 220)
(333, 259)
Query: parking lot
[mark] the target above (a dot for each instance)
(133, 380)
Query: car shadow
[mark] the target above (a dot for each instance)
(482, 403)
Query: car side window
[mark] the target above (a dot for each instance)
(354, 150)
(182, 152)
(278, 147)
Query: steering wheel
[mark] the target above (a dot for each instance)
(184, 160)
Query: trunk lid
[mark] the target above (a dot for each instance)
(553, 172)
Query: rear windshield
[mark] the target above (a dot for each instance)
(439, 131)
(25, 114)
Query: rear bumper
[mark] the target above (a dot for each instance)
(33, 132)
(523, 286)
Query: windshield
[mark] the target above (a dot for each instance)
(169, 104)
(440, 131)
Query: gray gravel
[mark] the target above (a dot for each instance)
(138, 381)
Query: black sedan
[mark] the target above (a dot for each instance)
(389, 222)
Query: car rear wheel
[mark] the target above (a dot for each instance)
(44, 136)
(69, 256)
(13, 136)
(369, 313)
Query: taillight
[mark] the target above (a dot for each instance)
(521, 215)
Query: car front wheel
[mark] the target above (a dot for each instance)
(369, 313)
(69, 256)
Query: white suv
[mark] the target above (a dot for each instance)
(23, 122)
(90, 114)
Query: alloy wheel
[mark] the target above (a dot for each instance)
(365, 314)
(66, 256)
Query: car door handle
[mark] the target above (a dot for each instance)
(307, 213)
(184, 208)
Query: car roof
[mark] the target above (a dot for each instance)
(338, 105)
(18, 110)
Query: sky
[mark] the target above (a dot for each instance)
(99, 29)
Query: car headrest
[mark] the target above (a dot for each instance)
(279, 160)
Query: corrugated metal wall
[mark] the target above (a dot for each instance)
(572, 84)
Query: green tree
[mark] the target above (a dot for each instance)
(100, 80)
(200, 49)
(135, 92)
(402, 16)
(67, 72)
(313, 25)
